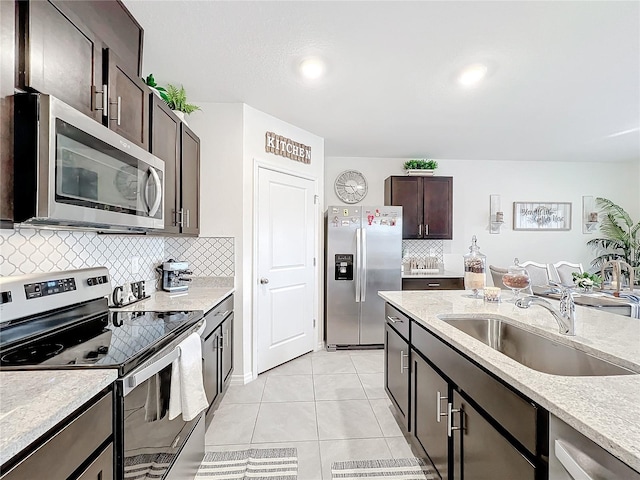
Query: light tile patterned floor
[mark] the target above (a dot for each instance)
(331, 406)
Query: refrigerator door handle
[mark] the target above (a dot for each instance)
(358, 261)
(363, 270)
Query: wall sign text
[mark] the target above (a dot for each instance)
(285, 147)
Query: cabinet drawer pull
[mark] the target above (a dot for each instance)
(402, 357)
(395, 319)
(439, 412)
(434, 284)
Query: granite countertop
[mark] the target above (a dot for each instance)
(442, 274)
(33, 402)
(605, 409)
(202, 295)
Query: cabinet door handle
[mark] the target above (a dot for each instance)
(105, 99)
(395, 319)
(221, 342)
(402, 357)
(118, 104)
(426, 229)
(179, 213)
(439, 412)
(226, 337)
(420, 230)
(450, 412)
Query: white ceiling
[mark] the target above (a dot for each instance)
(563, 76)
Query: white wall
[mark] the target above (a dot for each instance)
(232, 140)
(474, 181)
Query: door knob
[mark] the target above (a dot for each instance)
(264, 281)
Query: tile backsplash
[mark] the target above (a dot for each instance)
(28, 250)
(423, 248)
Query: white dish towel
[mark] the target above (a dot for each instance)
(187, 387)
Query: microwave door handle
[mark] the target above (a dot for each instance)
(153, 209)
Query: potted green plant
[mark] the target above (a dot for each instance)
(155, 88)
(620, 237)
(420, 166)
(177, 101)
(586, 281)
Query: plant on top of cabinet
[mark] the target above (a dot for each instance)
(161, 91)
(420, 166)
(177, 101)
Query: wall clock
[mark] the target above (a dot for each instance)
(351, 186)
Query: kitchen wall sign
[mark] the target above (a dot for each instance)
(285, 147)
(541, 216)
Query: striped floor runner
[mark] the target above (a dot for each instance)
(253, 464)
(400, 469)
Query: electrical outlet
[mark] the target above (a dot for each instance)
(135, 264)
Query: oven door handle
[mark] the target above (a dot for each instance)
(132, 381)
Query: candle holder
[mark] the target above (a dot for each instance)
(589, 215)
(496, 215)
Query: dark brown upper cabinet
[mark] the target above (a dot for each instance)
(72, 49)
(427, 205)
(190, 181)
(172, 141)
(128, 112)
(58, 56)
(164, 143)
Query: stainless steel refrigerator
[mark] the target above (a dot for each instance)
(363, 248)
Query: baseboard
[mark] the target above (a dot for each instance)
(241, 379)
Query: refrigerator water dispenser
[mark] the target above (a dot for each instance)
(344, 266)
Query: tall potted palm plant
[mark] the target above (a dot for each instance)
(620, 236)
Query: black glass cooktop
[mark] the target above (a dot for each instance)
(90, 336)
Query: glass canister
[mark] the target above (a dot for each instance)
(474, 269)
(517, 279)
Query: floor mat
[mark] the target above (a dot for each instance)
(400, 468)
(254, 464)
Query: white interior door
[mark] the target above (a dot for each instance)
(286, 231)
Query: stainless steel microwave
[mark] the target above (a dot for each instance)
(70, 170)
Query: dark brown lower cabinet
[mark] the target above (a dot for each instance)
(396, 371)
(433, 283)
(101, 468)
(480, 451)
(429, 412)
(470, 424)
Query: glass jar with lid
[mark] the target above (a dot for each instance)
(517, 279)
(474, 269)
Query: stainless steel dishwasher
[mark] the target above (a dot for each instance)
(572, 456)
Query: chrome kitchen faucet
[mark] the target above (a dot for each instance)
(566, 316)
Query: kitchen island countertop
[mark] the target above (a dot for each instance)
(33, 402)
(605, 409)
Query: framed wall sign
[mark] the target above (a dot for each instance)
(541, 216)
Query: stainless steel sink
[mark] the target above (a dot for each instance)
(533, 350)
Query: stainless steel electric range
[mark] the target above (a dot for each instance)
(61, 320)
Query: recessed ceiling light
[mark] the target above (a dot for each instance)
(472, 74)
(312, 68)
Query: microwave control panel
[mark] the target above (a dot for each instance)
(50, 287)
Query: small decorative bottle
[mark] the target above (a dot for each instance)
(474, 269)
